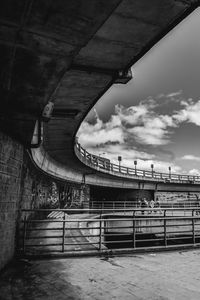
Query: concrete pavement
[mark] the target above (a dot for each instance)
(163, 276)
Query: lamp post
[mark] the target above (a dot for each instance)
(152, 166)
(119, 160)
(170, 172)
(135, 163)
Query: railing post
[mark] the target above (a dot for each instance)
(111, 167)
(165, 228)
(84, 154)
(100, 232)
(134, 242)
(90, 158)
(24, 234)
(193, 227)
(63, 238)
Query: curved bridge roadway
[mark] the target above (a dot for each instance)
(102, 165)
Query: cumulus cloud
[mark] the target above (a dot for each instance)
(140, 126)
(140, 123)
(190, 113)
(194, 172)
(190, 157)
(174, 95)
(144, 124)
(154, 130)
(97, 133)
(112, 151)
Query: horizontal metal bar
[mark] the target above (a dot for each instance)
(109, 209)
(78, 228)
(152, 226)
(175, 232)
(82, 243)
(116, 227)
(43, 237)
(83, 235)
(179, 238)
(35, 229)
(116, 234)
(180, 225)
(149, 240)
(42, 245)
(118, 242)
(131, 241)
(173, 218)
(137, 249)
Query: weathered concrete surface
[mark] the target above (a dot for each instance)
(38, 43)
(18, 180)
(160, 276)
(11, 160)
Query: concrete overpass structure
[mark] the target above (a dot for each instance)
(57, 59)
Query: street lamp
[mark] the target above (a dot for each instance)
(119, 160)
(135, 163)
(170, 172)
(152, 166)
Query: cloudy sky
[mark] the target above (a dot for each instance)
(155, 118)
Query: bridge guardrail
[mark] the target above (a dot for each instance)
(104, 165)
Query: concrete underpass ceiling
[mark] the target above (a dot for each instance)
(70, 52)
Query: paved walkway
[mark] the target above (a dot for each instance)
(163, 276)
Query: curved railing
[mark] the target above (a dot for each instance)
(104, 165)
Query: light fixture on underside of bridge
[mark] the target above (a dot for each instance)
(124, 76)
(65, 113)
(47, 111)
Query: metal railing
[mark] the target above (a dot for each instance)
(97, 231)
(115, 204)
(104, 165)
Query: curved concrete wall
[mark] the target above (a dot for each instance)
(69, 173)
